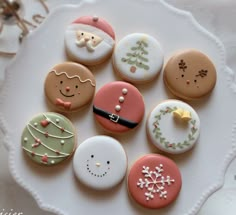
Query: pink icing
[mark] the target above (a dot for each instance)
(100, 23)
(170, 169)
(132, 108)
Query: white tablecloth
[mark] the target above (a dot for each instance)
(218, 16)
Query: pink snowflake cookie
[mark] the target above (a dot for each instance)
(154, 181)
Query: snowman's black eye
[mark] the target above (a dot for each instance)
(108, 162)
(92, 156)
(61, 82)
(76, 86)
(92, 37)
(82, 34)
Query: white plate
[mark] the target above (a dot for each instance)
(55, 188)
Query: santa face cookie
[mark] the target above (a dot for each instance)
(173, 126)
(190, 74)
(154, 181)
(89, 40)
(49, 138)
(138, 58)
(100, 162)
(118, 107)
(69, 87)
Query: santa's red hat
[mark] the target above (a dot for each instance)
(96, 22)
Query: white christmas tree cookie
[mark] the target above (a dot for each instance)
(49, 138)
(100, 162)
(138, 58)
(173, 126)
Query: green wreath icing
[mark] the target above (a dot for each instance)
(163, 141)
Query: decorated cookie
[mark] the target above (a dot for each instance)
(49, 138)
(190, 74)
(89, 40)
(69, 87)
(154, 181)
(118, 107)
(138, 58)
(173, 126)
(100, 162)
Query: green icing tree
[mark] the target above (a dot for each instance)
(137, 58)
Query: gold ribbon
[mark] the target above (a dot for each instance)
(182, 114)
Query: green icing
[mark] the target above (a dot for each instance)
(163, 140)
(137, 56)
(56, 146)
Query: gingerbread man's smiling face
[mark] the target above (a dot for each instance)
(69, 86)
(190, 74)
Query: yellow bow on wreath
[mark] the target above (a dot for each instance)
(182, 114)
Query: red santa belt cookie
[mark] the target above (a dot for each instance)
(69, 87)
(173, 126)
(138, 58)
(154, 181)
(190, 74)
(89, 40)
(118, 106)
(100, 162)
(49, 138)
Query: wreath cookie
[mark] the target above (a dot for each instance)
(173, 126)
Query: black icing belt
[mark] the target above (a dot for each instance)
(114, 118)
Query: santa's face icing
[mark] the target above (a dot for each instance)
(100, 162)
(88, 40)
(67, 89)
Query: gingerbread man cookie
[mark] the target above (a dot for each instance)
(138, 58)
(49, 138)
(154, 181)
(190, 74)
(89, 40)
(100, 162)
(118, 106)
(69, 87)
(173, 126)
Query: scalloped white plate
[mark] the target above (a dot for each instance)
(55, 188)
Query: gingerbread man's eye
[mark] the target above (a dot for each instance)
(92, 37)
(76, 86)
(61, 82)
(182, 76)
(92, 156)
(108, 162)
(195, 81)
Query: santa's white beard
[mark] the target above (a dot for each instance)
(82, 43)
(81, 54)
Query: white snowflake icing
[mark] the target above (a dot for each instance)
(154, 182)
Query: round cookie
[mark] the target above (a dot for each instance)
(49, 138)
(154, 181)
(138, 58)
(100, 162)
(89, 40)
(118, 106)
(69, 87)
(190, 74)
(173, 126)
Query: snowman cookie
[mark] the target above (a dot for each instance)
(154, 181)
(89, 40)
(69, 87)
(190, 74)
(49, 138)
(138, 58)
(118, 107)
(100, 162)
(173, 126)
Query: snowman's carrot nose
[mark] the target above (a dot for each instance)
(67, 89)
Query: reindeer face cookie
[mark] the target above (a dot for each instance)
(69, 87)
(190, 74)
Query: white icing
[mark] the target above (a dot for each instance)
(102, 51)
(118, 108)
(154, 56)
(57, 120)
(121, 99)
(106, 168)
(35, 124)
(25, 139)
(62, 142)
(173, 130)
(124, 91)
